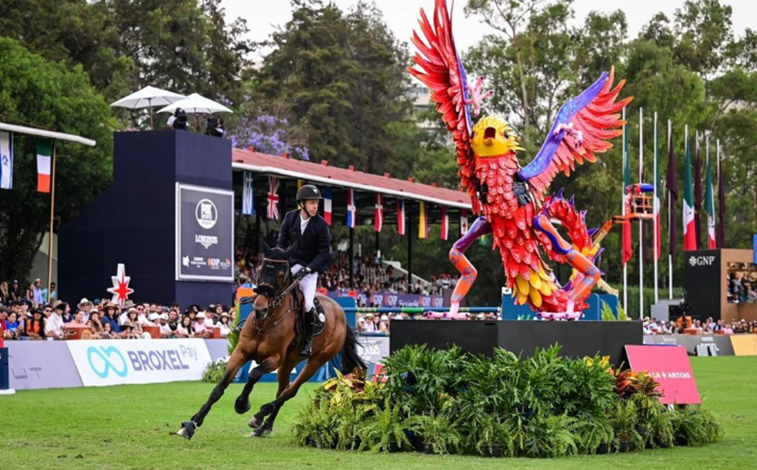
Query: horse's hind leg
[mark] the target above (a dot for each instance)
(235, 362)
(272, 408)
(242, 403)
(284, 375)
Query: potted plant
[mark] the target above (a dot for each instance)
(549, 436)
(623, 420)
(439, 436)
(385, 430)
(695, 426)
(494, 438)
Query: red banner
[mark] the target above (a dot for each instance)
(670, 366)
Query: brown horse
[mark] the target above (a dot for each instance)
(269, 338)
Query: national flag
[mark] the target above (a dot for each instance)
(378, 221)
(300, 183)
(351, 209)
(709, 204)
(698, 196)
(327, 200)
(721, 201)
(400, 217)
(422, 220)
(672, 187)
(463, 221)
(44, 151)
(445, 223)
(6, 160)
(273, 198)
(627, 252)
(689, 233)
(248, 205)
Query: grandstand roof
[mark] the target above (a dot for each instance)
(347, 178)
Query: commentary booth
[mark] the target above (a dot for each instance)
(169, 217)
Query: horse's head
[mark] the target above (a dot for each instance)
(273, 277)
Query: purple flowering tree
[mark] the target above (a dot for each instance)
(266, 133)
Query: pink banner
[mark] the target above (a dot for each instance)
(670, 366)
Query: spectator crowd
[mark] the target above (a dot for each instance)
(687, 325)
(27, 319)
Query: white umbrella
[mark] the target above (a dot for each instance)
(196, 104)
(148, 97)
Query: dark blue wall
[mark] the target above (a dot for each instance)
(133, 222)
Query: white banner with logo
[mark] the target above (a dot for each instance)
(116, 362)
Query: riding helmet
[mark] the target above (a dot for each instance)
(308, 192)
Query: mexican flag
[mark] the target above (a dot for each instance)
(44, 151)
(709, 207)
(689, 233)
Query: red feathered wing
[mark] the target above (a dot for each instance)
(441, 70)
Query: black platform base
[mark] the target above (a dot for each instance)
(578, 339)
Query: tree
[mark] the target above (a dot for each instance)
(342, 77)
(33, 89)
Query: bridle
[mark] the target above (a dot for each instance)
(275, 302)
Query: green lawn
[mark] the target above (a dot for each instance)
(128, 427)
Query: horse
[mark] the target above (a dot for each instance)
(269, 337)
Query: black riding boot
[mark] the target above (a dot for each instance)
(307, 350)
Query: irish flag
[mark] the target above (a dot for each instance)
(709, 205)
(44, 151)
(689, 233)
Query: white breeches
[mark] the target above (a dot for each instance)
(308, 284)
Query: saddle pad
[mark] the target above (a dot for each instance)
(318, 325)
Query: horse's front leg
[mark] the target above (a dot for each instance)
(188, 428)
(242, 403)
(468, 273)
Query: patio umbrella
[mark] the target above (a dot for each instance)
(196, 104)
(148, 97)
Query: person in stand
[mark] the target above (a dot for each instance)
(35, 328)
(311, 233)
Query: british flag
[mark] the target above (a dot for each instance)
(273, 198)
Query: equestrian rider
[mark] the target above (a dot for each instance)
(313, 252)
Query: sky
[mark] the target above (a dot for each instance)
(263, 16)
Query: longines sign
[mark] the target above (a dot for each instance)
(204, 233)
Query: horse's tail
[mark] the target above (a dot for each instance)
(350, 357)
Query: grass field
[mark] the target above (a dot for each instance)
(128, 427)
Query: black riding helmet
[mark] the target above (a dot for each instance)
(308, 192)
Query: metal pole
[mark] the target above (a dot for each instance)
(52, 222)
(623, 208)
(641, 221)
(352, 258)
(409, 235)
(656, 210)
(670, 257)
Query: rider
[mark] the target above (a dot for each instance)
(313, 252)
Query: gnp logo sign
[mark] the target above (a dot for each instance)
(139, 361)
(701, 260)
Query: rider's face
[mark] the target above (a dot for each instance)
(311, 207)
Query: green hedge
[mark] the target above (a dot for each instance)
(448, 402)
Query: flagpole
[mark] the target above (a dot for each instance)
(656, 209)
(623, 208)
(670, 256)
(52, 221)
(641, 221)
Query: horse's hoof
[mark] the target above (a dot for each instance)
(255, 422)
(187, 430)
(242, 408)
(261, 432)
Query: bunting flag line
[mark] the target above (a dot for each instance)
(44, 151)
(248, 205)
(327, 200)
(422, 220)
(445, 223)
(351, 209)
(6, 160)
(463, 221)
(273, 198)
(378, 221)
(400, 216)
